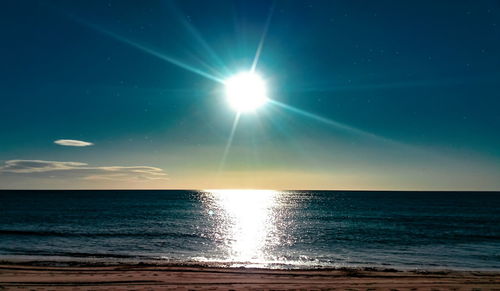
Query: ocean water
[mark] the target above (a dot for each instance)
(270, 229)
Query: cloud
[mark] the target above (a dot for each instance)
(73, 143)
(55, 169)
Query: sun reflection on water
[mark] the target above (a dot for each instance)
(245, 221)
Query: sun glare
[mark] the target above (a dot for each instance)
(246, 91)
(246, 221)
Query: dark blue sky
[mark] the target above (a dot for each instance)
(417, 81)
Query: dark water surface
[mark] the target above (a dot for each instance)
(290, 229)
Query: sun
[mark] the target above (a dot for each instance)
(246, 91)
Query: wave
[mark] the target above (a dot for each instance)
(443, 238)
(97, 234)
(53, 254)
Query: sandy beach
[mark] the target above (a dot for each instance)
(153, 277)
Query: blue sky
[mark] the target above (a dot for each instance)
(376, 94)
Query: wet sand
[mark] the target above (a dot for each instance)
(153, 277)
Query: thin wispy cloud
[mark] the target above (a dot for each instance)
(79, 170)
(73, 143)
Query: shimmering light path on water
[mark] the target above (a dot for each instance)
(247, 218)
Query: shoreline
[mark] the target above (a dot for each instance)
(16, 276)
(148, 262)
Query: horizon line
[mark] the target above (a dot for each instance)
(248, 189)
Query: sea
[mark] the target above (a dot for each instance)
(254, 228)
